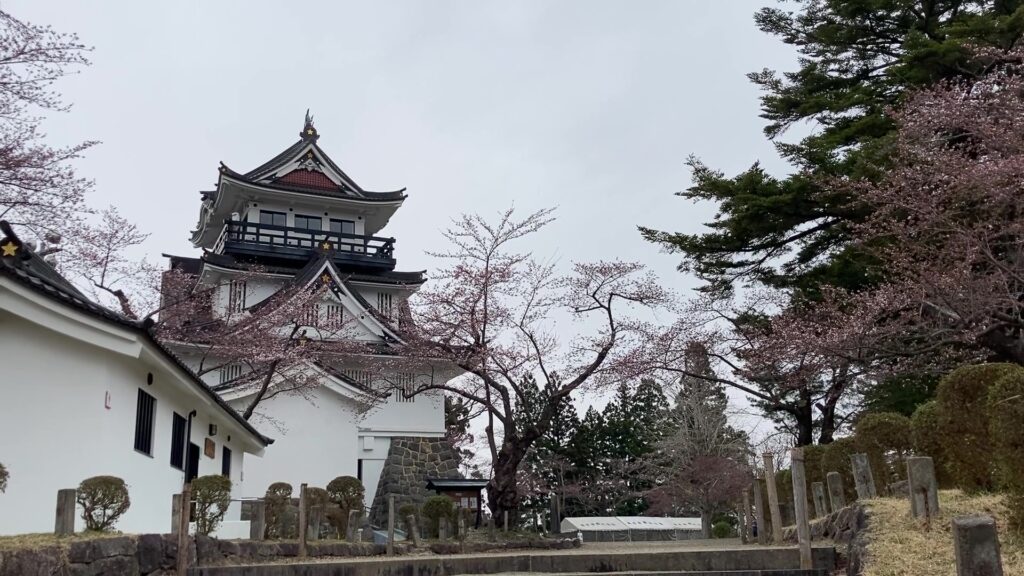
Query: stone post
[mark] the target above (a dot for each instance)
(555, 526)
(862, 477)
(745, 533)
(391, 525)
(773, 497)
(505, 515)
(414, 530)
(836, 496)
(976, 546)
(803, 526)
(65, 518)
(303, 522)
(462, 533)
(491, 532)
(442, 529)
(184, 517)
(820, 505)
(175, 513)
(258, 520)
(762, 528)
(353, 524)
(316, 518)
(923, 489)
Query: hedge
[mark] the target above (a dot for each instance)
(277, 502)
(886, 439)
(928, 439)
(963, 419)
(435, 508)
(346, 492)
(1006, 427)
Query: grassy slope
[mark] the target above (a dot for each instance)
(900, 546)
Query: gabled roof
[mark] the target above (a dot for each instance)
(305, 167)
(20, 263)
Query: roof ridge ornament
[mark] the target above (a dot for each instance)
(308, 130)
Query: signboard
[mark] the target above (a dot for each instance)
(210, 448)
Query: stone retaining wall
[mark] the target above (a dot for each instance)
(409, 463)
(846, 526)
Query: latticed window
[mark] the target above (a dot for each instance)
(335, 316)
(230, 372)
(310, 315)
(236, 296)
(404, 383)
(384, 304)
(362, 377)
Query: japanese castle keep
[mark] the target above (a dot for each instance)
(299, 219)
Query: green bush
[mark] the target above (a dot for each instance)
(886, 439)
(963, 418)
(317, 497)
(1006, 425)
(276, 503)
(406, 510)
(836, 458)
(212, 495)
(103, 499)
(435, 508)
(4, 475)
(928, 440)
(346, 492)
(722, 529)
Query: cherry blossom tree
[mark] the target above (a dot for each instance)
(39, 191)
(492, 313)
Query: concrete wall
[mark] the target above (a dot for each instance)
(68, 413)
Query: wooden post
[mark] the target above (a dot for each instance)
(65, 518)
(184, 517)
(745, 524)
(555, 528)
(505, 513)
(762, 528)
(302, 520)
(773, 497)
(462, 533)
(391, 525)
(442, 529)
(414, 530)
(491, 532)
(350, 528)
(803, 525)
(258, 520)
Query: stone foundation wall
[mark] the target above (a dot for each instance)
(409, 463)
(847, 526)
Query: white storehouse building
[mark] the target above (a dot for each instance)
(304, 222)
(85, 391)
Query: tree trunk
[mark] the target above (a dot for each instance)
(804, 416)
(828, 423)
(705, 524)
(502, 490)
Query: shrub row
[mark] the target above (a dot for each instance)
(105, 499)
(342, 495)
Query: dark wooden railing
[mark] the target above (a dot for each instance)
(372, 247)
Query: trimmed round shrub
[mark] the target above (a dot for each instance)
(317, 497)
(1006, 425)
(928, 439)
(722, 529)
(963, 418)
(836, 458)
(435, 508)
(886, 439)
(406, 510)
(277, 501)
(4, 475)
(103, 499)
(346, 493)
(212, 495)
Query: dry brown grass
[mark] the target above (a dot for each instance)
(28, 541)
(900, 546)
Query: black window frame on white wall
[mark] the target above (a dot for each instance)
(179, 428)
(225, 461)
(145, 422)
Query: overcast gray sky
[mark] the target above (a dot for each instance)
(590, 106)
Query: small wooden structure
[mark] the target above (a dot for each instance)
(464, 492)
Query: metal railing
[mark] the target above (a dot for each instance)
(271, 235)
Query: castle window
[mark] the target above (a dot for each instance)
(178, 431)
(145, 417)
(308, 222)
(229, 372)
(384, 304)
(405, 383)
(310, 315)
(236, 296)
(273, 218)
(335, 316)
(343, 226)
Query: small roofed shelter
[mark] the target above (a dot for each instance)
(632, 528)
(464, 492)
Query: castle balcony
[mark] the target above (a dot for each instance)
(273, 244)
